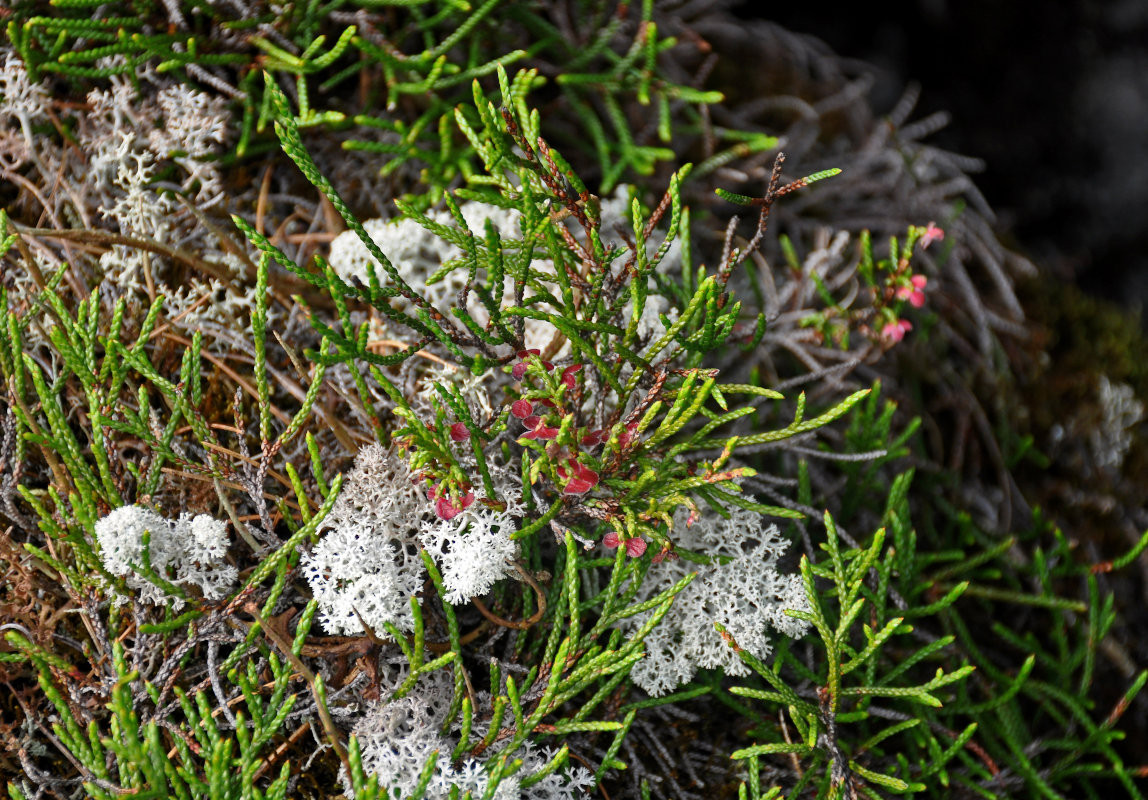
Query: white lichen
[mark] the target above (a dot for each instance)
(189, 551)
(741, 588)
(397, 739)
(367, 564)
(1120, 412)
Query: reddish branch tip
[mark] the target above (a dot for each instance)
(538, 429)
(594, 438)
(447, 510)
(523, 361)
(568, 375)
(582, 478)
(629, 435)
(634, 547)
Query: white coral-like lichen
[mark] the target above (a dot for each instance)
(396, 739)
(474, 551)
(1121, 411)
(742, 589)
(367, 565)
(189, 551)
(21, 98)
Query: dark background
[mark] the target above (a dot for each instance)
(1053, 96)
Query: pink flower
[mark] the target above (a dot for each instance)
(914, 293)
(932, 234)
(610, 540)
(459, 432)
(895, 331)
(522, 408)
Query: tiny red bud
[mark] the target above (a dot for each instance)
(610, 540)
(459, 432)
(635, 547)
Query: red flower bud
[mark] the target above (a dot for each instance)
(522, 408)
(459, 432)
(610, 540)
(635, 547)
